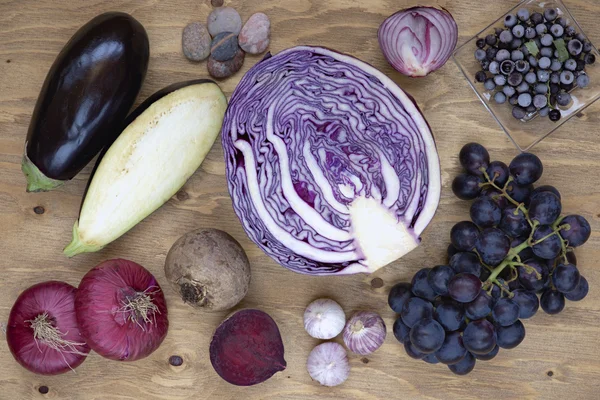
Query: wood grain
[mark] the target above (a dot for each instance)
(560, 357)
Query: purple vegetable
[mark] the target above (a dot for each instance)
(331, 167)
(418, 40)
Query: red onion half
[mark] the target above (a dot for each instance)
(121, 310)
(418, 40)
(42, 331)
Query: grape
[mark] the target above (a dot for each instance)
(474, 156)
(526, 168)
(571, 258)
(495, 195)
(565, 278)
(479, 336)
(552, 301)
(438, 278)
(464, 287)
(464, 366)
(580, 291)
(430, 359)
(528, 302)
(427, 335)
(466, 186)
(453, 350)
(464, 235)
(514, 223)
(510, 336)
(550, 247)
(545, 188)
(414, 310)
(513, 284)
(480, 307)
(485, 212)
(466, 262)
(488, 356)
(412, 351)
(401, 331)
(498, 173)
(398, 295)
(526, 253)
(485, 274)
(545, 208)
(518, 193)
(450, 315)
(530, 281)
(496, 291)
(493, 246)
(451, 251)
(420, 286)
(505, 312)
(578, 232)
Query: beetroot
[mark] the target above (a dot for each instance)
(246, 348)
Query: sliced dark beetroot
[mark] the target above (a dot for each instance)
(247, 349)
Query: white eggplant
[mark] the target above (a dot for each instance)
(167, 140)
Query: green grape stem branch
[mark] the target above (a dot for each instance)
(512, 259)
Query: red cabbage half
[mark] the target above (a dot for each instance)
(331, 166)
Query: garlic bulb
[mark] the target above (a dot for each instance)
(328, 364)
(364, 333)
(324, 319)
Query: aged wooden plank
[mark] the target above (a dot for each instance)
(560, 357)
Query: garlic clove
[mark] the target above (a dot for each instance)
(328, 364)
(364, 332)
(324, 319)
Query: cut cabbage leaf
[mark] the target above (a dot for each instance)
(331, 167)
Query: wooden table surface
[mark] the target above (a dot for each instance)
(560, 357)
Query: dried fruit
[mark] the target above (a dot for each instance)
(255, 36)
(224, 19)
(196, 41)
(224, 69)
(224, 46)
(246, 348)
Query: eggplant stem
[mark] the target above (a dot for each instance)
(77, 246)
(36, 180)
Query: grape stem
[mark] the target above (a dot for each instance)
(528, 268)
(555, 232)
(507, 261)
(514, 252)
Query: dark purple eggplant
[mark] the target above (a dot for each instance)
(85, 99)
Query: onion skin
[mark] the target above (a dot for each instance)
(58, 300)
(107, 330)
(406, 39)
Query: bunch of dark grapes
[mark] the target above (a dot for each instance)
(516, 247)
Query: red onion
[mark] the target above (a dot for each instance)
(418, 40)
(121, 310)
(42, 331)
